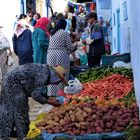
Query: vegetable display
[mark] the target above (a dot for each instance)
(87, 118)
(100, 73)
(107, 103)
(113, 86)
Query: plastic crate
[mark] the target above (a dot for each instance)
(108, 60)
(76, 70)
(96, 136)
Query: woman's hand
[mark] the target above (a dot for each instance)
(53, 101)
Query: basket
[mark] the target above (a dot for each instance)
(108, 60)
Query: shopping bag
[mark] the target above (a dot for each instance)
(74, 87)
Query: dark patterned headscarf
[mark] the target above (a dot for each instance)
(60, 24)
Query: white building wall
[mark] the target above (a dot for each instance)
(124, 27)
(59, 6)
(8, 10)
(105, 13)
(135, 45)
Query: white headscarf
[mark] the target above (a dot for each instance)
(21, 26)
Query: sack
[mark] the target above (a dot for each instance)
(74, 87)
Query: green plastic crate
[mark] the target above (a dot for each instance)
(108, 60)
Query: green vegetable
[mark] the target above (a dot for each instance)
(101, 72)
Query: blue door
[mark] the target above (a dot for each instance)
(118, 31)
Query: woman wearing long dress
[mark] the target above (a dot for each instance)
(20, 83)
(40, 40)
(58, 52)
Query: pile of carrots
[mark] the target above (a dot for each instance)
(113, 86)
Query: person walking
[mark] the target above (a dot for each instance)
(20, 83)
(40, 40)
(58, 52)
(22, 42)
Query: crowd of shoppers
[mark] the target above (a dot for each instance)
(43, 46)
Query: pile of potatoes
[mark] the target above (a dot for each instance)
(87, 118)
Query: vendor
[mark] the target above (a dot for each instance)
(20, 83)
(96, 41)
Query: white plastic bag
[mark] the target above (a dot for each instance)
(45, 109)
(10, 61)
(74, 87)
(120, 64)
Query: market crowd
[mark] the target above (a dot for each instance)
(46, 49)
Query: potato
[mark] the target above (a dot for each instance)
(49, 126)
(41, 128)
(77, 114)
(93, 130)
(56, 119)
(121, 123)
(87, 109)
(69, 132)
(108, 130)
(83, 123)
(102, 124)
(41, 123)
(82, 132)
(94, 116)
(109, 125)
(77, 132)
(89, 132)
(119, 129)
(63, 130)
(62, 122)
(99, 130)
(84, 114)
(72, 117)
(56, 131)
(79, 110)
(70, 112)
(50, 131)
(61, 116)
(80, 118)
(50, 122)
(78, 125)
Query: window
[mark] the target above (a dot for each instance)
(114, 19)
(114, 43)
(125, 10)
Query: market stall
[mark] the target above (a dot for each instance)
(105, 109)
(88, 5)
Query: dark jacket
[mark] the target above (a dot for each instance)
(22, 46)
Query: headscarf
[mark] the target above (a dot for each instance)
(60, 24)
(42, 23)
(21, 26)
